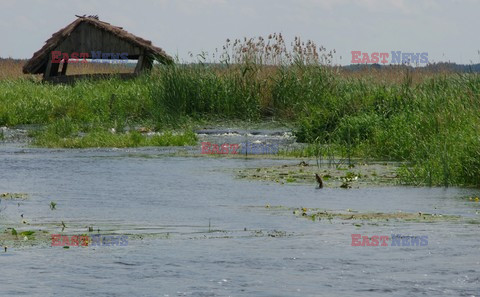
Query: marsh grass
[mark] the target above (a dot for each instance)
(428, 120)
(103, 139)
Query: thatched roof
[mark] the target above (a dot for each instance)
(38, 63)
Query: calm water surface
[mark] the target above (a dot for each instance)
(202, 232)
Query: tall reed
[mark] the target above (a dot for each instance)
(427, 120)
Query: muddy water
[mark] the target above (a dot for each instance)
(197, 230)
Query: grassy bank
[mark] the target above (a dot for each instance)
(429, 120)
(434, 126)
(101, 138)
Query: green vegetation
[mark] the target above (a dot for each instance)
(28, 235)
(339, 176)
(20, 196)
(318, 215)
(431, 125)
(99, 138)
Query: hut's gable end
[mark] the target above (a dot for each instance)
(86, 38)
(87, 35)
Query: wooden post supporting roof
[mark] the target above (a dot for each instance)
(139, 67)
(46, 74)
(64, 69)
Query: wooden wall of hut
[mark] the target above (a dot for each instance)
(87, 38)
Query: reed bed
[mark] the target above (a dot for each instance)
(427, 119)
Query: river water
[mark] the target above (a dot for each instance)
(197, 230)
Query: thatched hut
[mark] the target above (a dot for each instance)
(90, 35)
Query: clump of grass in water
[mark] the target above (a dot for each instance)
(28, 235)
(21, 196)
(108, 139)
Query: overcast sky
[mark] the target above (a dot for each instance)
(446, 29)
